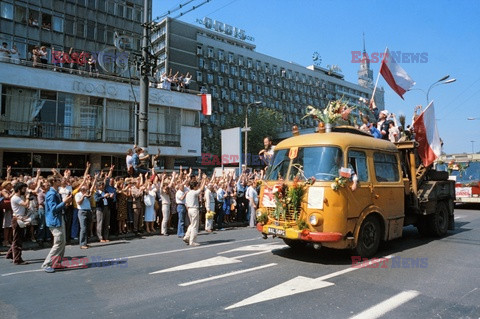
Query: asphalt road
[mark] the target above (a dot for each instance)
(237, 274)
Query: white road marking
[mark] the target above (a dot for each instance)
(148, 255)
(214, 261)
(387, 305)
(301, 284)
(233, 273)
(259, 247)
(293, 286)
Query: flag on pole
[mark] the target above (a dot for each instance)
(426, 134)
(395, 76)
(206, 104)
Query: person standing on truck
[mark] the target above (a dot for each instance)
(382, 124)
(266, 155)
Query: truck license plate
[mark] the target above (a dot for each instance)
(276, 231)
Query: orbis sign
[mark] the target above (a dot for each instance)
(225, 28)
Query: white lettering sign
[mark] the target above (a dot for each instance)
(463, 191)
(225, 29)
(101, 89)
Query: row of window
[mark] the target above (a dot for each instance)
(34, 17)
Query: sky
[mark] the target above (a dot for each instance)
(445, 32)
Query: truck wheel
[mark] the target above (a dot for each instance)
(438, 222)
(295, 244)
(368, 237)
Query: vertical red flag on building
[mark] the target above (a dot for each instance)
(426, 134)
(395, 76)
(206, 104)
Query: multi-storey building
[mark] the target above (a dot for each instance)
(226, 64)
(63, 119)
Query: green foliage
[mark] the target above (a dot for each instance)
(301, 224)
(263, 218)
(262, 121)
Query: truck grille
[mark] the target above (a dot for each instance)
(288, 217)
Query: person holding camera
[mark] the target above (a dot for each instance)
(19, 206)
(54, 206)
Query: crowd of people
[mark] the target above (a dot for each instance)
(178, 81)
(385, 126)
(65, 209)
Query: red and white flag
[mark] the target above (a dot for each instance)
(206, 104)
(395, 76)
(426, 134)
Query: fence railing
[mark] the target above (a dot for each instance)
(80, 133)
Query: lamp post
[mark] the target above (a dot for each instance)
(439, 82)
(246, 128)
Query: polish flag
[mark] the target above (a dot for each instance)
(206, 104)
(395, 76)
(426, 134)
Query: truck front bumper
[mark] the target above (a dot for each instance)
(306, 235)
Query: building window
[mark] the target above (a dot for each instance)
(91, 4)
(240, 85)
(119, 10)
(210, 53)
(6, 11)
(100, 33)
(230, 83)
(220, 80)
(201, 63)
(210, 78)
(20, 14)
(111, 7)
(101, 5)
(80, 31)
(57, 24)
(69, 25)
(230, 58)
(129, 11)
(199, 50)
(33, 17)
(199, 77)
(138, 15)
(221, 55)
(91, 30)
(190, 118)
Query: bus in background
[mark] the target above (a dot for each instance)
(464, 169)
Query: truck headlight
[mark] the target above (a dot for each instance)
(313, 220)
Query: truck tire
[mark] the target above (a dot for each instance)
(368, 237)
(295, 244)
(438, 222)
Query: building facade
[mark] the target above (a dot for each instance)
(226, 65)
(64, 119)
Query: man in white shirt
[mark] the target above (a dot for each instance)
(252, 197)
(210, 206)
(82, 199)
(19, 205)
(192, 204)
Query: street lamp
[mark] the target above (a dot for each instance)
(439, 82)
(246, 128)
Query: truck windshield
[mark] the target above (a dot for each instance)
(279, 167)
(321, 162)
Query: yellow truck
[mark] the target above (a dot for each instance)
(347, 190)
